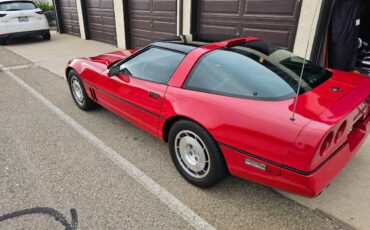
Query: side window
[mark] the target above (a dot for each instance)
(154, 64)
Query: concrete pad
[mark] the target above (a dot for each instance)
(54, 54)
(348, 197)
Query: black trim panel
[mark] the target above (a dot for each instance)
(179, 47)
(124, 101)
(58, 16)
(284, 166)
(181, 6)
(127, 24)
(85, 19)
(194, 18)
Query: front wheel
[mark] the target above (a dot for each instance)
(196, 155)
(78, 92)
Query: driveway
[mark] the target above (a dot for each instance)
(53, 55)
(48, 163)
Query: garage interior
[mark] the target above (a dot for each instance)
(354, 31)
(363, 57)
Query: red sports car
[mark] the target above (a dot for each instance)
(227, 107)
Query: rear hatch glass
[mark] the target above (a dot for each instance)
(286, 65)
(256, 70)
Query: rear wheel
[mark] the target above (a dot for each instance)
(196, 155)
(46, 36)
(78, 92)
(3, 41)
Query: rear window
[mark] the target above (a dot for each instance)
(17, 5)
(256, 70)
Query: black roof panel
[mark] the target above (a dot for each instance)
(183, 48)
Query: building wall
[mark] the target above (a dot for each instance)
(309, 16)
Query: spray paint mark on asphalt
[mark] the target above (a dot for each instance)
(58, 216)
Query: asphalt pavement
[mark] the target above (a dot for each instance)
(52, 176)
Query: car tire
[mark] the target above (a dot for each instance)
(196, 155)
(78, 92)
(46, 36)
(3, 41)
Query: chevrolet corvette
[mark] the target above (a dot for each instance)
(241, 106)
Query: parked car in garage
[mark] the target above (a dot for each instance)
(21, 18)
(241, 106)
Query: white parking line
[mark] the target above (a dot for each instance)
(161, 193)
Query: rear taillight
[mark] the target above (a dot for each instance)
(40, 12)
(340, 131)
(326, 143)
(2, 15)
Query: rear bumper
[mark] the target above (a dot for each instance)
(308, 184)
(24, 34)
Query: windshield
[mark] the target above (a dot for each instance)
(17, 5)
(256, 70)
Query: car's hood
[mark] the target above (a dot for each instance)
(342, 87)
(109, 58)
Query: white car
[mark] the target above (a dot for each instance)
(21, 18)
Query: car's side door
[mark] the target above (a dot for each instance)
(137, 91)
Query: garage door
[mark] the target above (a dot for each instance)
(151, 20)
(101, 21)
(273, 20)
(68, 17)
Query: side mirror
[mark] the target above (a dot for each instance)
(114, 71)
(123, 77)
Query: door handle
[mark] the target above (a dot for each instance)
(154, 95)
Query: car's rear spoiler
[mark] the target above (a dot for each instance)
(236, 41)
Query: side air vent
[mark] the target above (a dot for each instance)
(93, 95)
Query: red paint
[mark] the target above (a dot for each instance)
(290, 149)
